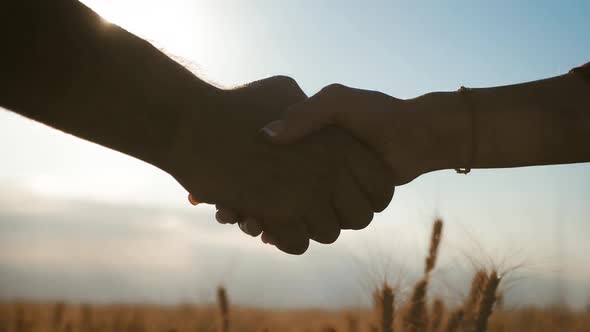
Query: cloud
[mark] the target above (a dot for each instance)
(52, 231)
(55, 248)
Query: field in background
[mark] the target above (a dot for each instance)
(187, 318)
(480, 311)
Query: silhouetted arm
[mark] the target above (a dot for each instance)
(62, 65)
(536, 123)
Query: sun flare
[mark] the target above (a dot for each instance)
(155, 21)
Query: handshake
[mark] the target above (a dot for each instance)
(279, 164)
(294, 169)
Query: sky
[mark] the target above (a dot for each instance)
(83, 222)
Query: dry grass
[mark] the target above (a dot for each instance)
(37, 317)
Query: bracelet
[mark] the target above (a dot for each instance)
(467, 93)
(583, 71)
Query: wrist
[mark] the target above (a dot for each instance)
(447, 123)
(194, 124)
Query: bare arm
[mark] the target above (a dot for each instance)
(536, 123)
(64, 66)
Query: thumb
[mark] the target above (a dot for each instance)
(299, 121)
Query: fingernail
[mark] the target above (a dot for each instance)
(273, 129)
(192, 200)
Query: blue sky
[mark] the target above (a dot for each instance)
(404, 49)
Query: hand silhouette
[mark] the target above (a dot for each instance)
(405, 133)
(308, 190)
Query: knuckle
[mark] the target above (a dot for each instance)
(284, 81)
(287, 87)
(334, 88)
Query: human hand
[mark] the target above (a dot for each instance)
(308, 190)
(407, 133)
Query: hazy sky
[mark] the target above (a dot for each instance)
(81, 221)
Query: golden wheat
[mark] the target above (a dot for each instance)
(487, 301)
(384, 302)
(435, 239)
(415, 317)
(476, 314)
(223, 303)
(438, 312)
(453, 321)
(472, 300)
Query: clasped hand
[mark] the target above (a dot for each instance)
(320, 183)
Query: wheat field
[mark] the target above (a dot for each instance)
(481, 310)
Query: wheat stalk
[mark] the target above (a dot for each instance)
(487, 302)
(470, 305)
(435, 238)
(438, 311)
(57, 315)
(384, 298)
(223, 304)
(415, 316)
(453, 321)
(352, 323)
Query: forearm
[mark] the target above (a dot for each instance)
(67, 68)
(536, 123)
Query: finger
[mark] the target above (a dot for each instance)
(251, 226)
(301, 119)
(373, 176)
(193, 200)
(323, 225)
(351, 206)
(226, 216)
(279, 86)
(267, 238)
(291, 238)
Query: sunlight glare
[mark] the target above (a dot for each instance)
(160, 22)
